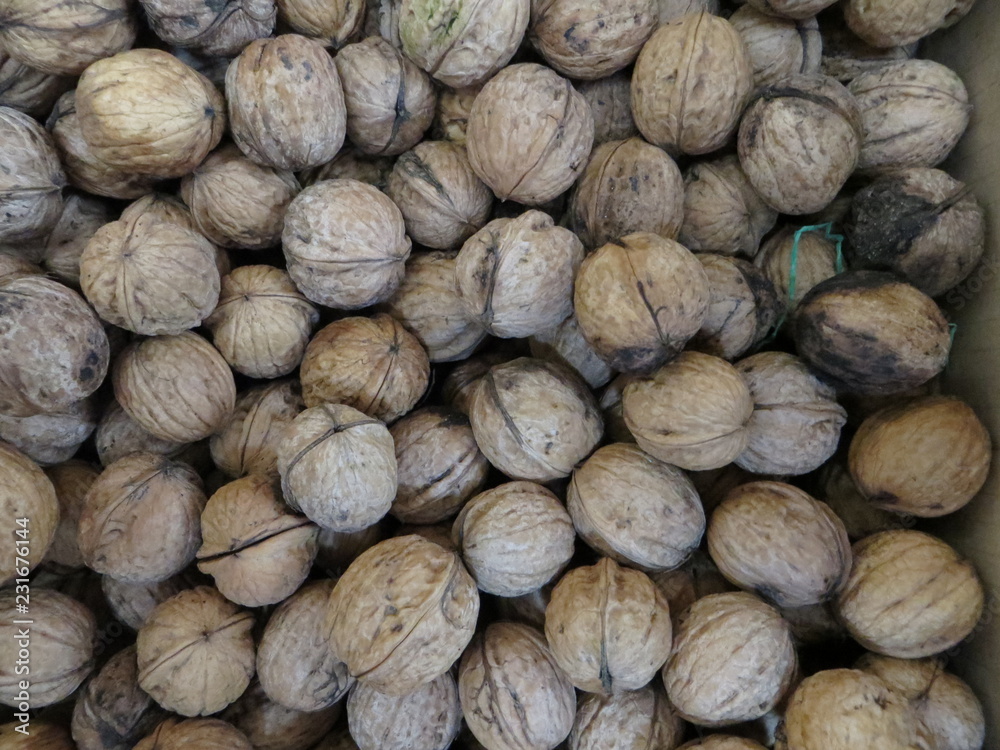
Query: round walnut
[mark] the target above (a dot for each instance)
(514, 695)
(921, 224)
(872, 333)
(286, 104)
(209, 27)
(722, 212)
(162, 207)
(796, 9)
(196, 652)
(937, 596)
(639, 299)
(692, 413)
(71, 480)
(338, 467)
(62, 39)
(60, 251)
(586, 41)
(205, 734)
(634, 718)
(608, 627)
(61, 643)
(439, 465)
(794, 266)
(345, 244)
(372, 364)
(248, 442)
(839, 708)
(461, 44)
(722, 742)
(610, 101)
(463, 380)
(529, 133)
(331, 23)
(733, 660)
(948, 713)
(428, 718)
(176, 387)
(799, 142)
(887, 24)
(131, 603)
(28, 90)
(295, 665)
(514, 538)
(515, 276)
(55, 348)
(776, 540)
(262, 322)
(390, 101)
(118, 434)
(628, 186)
(635, 509)
(690, 84)
(145, 111)
(913, 111)
(51, 437)
(271, 726)
(534, 420)
(778, 46)
(565, 345)
(31, 178)
(796, 422)
(402, 613)
(256, 550)
(442, 201)
(25, 493)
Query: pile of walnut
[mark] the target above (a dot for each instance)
(506, 374)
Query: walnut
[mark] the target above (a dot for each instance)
(402, 613)
(209, 27)
(118, 434)
(733, 660)
(690, 84)
(71, 480)
(176, 387)
(331, 23)
(26, 492)
(51, 437)
(846, 56)
(196, 652)
(271, 726)
(936, 596)
(338, 549)
(31, 178)
(451, 116)
(262, 322)
(610, 103)
(161, 207)
(778, 46)
(796, 9)
(529, 134)
(671, 10)
(205, 734)
(28, 90)
(345, 244)
(534, 420)
(513, 693)
(692, 413)
(63, 39)
(837, 489)
(461, 382)
(795, 265)
(390, 101)
(62, 639)
(913, 111)
(428, 717)
(799, 141)
(461, 44)
(13, 265)
(295, 665)
(641, 717)
(145, 111)
(55, 349)
(131, 603)
(872, 333)
(40, 736)
(565, 345)
(635, 509)
(60, 251)
(351, 164)
(588, 42)
(722, 742)
(694, 580)
(887, 24)
(286, 104)
(515, 276)
(338, 467)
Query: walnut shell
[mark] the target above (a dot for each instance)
(286, 104)
(565, 345)
(451, 116)
(694, 580)
(587, 42)
(795, 267)
(778, 47)
(390, 101)
(331, 23)
(61, 642)
(513, 693)
(690, 84)
(846, 56)
(635, 509)
(722, 742)
(913, 112)
(71, 480)
(13, 265)
(796, 9)
(936, 596)
(733, 660)
(428, 717)
(205, 734)
(872, 333)
(63, 39)
(209, 27)
(608, 627)
(837, 489)
(338, 467)
(534, 420)
(51, 437)
(31, 178)
(887, 24)
(351, 164)
(671, 10)
(118, 434)
(345, 244)
(461, 383)
(271, 726)
(40, 736)
(132, 603)
(26, 493)
(636, 718)
(461, 44)
(515, 276)
(529, 134)
(55, 351)
(28, 90)
(402, 613)
(610, 101)
(60, 251)
(145, 111)
(295, 664)
(692, 413)
(176, 387)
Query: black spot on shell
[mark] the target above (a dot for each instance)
(86, 373)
